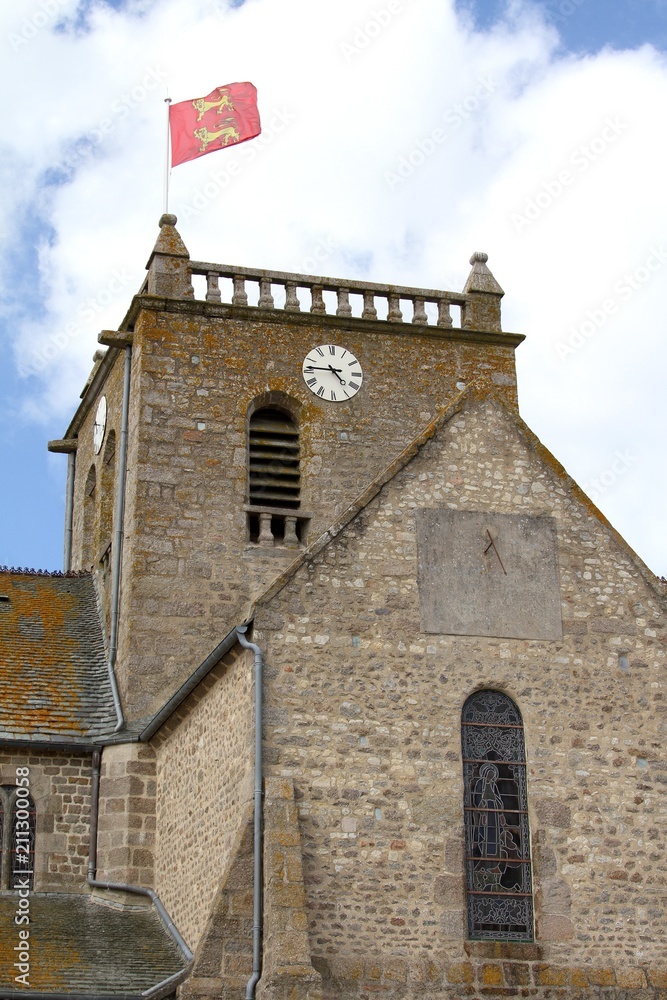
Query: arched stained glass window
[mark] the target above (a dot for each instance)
(497, 838)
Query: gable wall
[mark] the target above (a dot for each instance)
(364, 713)
(189, 572)
(204, 757)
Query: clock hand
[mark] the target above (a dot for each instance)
(315, 368)
(335, 371)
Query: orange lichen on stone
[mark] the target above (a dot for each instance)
(549, 975)
(461, 973)
(601, 977)
(630, 979)
(492, 975)
(51, 653)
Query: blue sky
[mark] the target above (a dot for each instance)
(589, 25)
(551, 87)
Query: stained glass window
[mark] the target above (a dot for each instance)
(497, 838)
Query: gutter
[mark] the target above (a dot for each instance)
(257, 838)
(118, 542)
(190, 684)
(69, 511)
(163, 989)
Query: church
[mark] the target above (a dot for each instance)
(346, 690)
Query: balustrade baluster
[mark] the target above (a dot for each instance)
(265, 296)
(292, 304)
(344, 307)
(290, 540)
(212, 287)
(370, 312)
(265, 534)
(394, 315)
(317, 304)
(444, 317)
(419, 313)
(240, 297)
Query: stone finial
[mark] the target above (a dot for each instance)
(482, 310)
(168, 271)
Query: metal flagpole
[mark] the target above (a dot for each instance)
(167, 101)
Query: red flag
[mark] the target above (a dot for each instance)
(225, 117)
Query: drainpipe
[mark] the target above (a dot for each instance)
(118, 542)
(257, 863)
(122, 886)
(69, 511)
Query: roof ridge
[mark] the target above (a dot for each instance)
(28, 571)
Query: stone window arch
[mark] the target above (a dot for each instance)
(274, 475)
(89, 501)
(17, 838)
(274, 478)
(497, 836)
(107, 480)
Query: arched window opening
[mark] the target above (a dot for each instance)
(274, 480)
(88, 539)
(497, 837)
(273, 460)
(107, 478)
(17, 838)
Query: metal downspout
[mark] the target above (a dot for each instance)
(122, 886)
(118, 541)
(69, 511)
(257, 863)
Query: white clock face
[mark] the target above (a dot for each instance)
(100, 424)
(332, 373)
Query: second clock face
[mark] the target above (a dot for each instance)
(332, 373)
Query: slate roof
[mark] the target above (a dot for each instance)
(54, 683)
(80, 946)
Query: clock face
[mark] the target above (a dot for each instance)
(100, 425)
(332, 373)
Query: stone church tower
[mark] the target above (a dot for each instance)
(358, 693)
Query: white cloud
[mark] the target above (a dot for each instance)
(400, 138)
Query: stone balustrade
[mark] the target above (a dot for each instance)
(170, 274)
(271, 527)
(304, 292)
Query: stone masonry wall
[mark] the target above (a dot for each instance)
(126, 830)
(189, 572)
(60, 787)
(363, 714)
(85, 460)
(204, 783)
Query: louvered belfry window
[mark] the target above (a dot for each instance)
(273, 460)
(498, 869)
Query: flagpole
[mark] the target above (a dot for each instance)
(167, 101)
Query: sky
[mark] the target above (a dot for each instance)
(399, 136)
